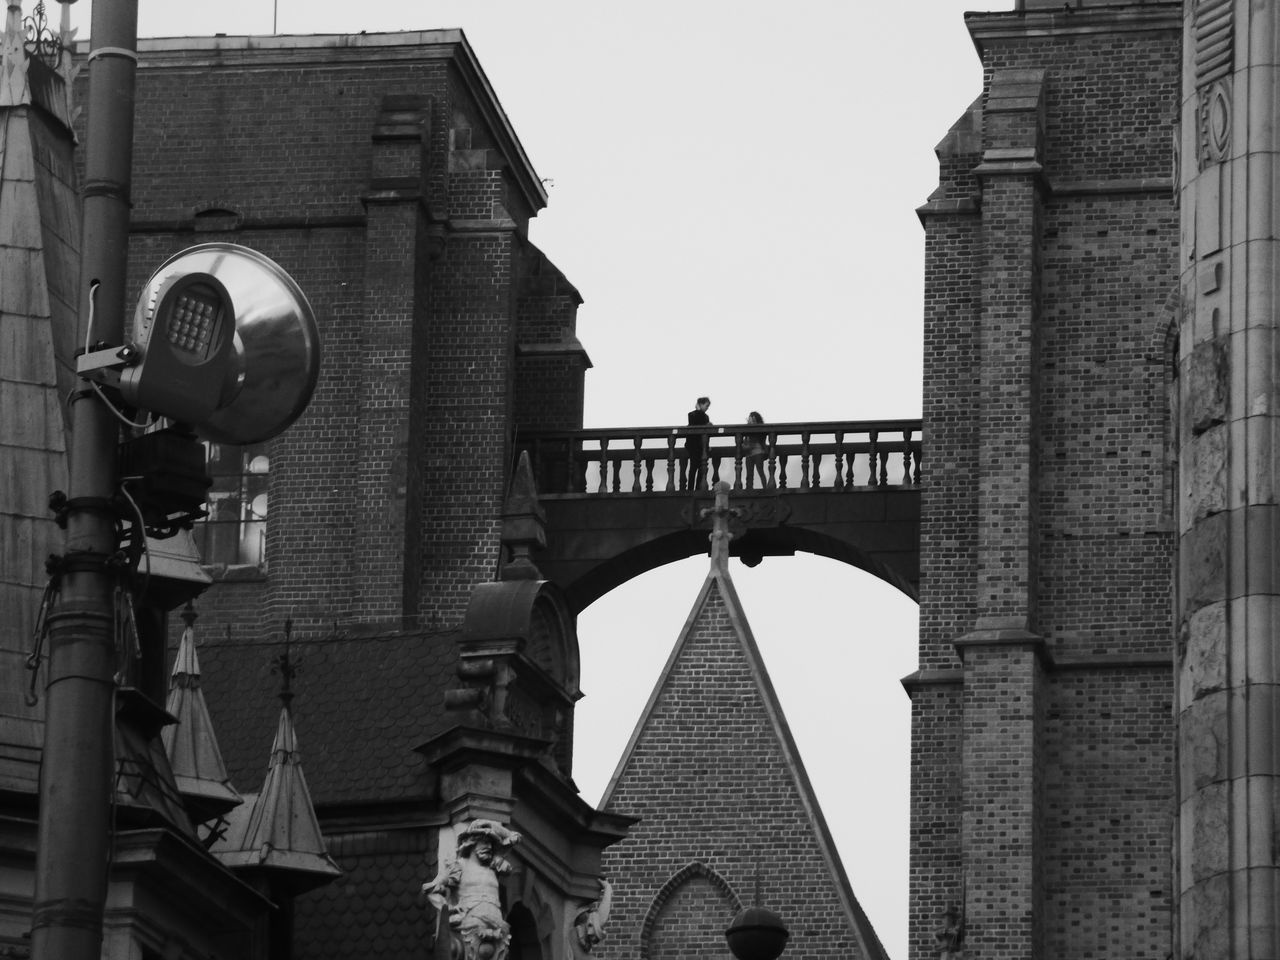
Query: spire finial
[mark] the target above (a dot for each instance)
(285, 666)
(720, 516)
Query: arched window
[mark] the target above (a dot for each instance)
(689, 916)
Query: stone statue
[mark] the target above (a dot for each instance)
(468, 886)
(951, 937)
(588, 926)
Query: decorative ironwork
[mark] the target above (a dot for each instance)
(286, 666)
(41, 42)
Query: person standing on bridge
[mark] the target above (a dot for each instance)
(753, 444)
(695, 447)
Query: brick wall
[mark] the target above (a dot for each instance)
(721, 811)
(551, 365)
(1066, 852)
(382, 185)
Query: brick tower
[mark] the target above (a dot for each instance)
(727, 814)
(1042, 754)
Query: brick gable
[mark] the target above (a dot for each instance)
(726, 809)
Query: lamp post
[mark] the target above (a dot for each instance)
(77, 764)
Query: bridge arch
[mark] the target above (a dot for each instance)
(591, 549)
(614, 503)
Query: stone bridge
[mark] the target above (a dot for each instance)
(617, 502)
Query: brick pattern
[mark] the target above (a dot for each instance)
(383, 438)
(1106, 530)
(549, 387)
(1008, 508)
(1001, 788)
(462, 441)
(949, 493)
(379, 186)
(1108, 886)
(937, 859)
(271, 142)
(1095, 265)
(720, 809)
(690, 922)
(370, 521)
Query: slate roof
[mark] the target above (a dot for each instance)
(361, 705)
(39, 268)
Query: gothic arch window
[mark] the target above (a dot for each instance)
(689, 915)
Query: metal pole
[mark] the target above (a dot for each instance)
(77, 768)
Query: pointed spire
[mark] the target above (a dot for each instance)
(39, 267)
(281, 833)
(191, 744)
(13, 59)
(68, 68)
(523, 524)
(284, 666)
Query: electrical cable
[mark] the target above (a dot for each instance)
(117, 413)
(142, 529)
(92, 305)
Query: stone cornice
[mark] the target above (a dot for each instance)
(1067, 20)
(935, 677)
(1003, 632)
(1082, 188)
(567, 348)
(955, 207)
(200, 54)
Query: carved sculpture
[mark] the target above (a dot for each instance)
(588, 926)
(951, 937)
(468, 886)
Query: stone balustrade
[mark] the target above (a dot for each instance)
(794, 457)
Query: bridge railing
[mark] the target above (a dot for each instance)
(794, 457)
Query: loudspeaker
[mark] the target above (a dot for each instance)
(226, 342)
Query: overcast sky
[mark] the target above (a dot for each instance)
(732, 190)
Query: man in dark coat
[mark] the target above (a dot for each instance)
(695, 447)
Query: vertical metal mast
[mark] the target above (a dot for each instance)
(76, 778)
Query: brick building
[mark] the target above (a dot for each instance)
(375, 558)
(728, 818)
(381, 172)
(1042, 758)
(1059, 348)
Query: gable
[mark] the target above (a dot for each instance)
(714, 775)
